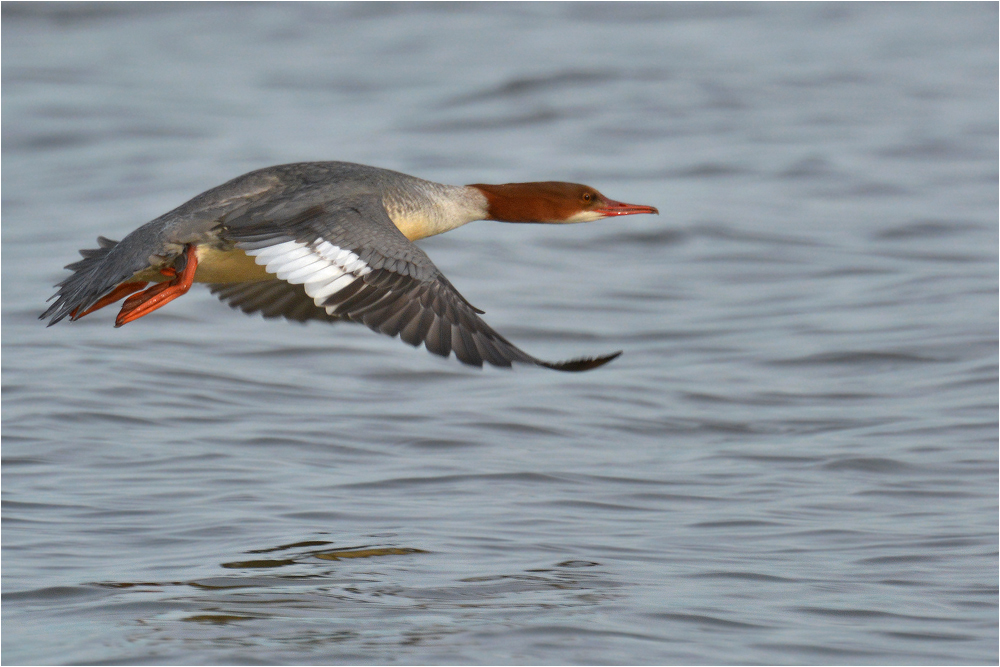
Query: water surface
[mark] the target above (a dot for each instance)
(794, 461)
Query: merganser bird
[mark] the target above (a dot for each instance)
(327, 241)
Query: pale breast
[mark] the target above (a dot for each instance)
(227, 266)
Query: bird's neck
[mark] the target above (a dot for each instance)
(425, 208)
(434, 208)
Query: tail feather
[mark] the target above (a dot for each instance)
(100, 271)
(105, 244)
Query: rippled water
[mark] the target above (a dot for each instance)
(795, 460)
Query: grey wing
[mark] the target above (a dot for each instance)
(352, 261)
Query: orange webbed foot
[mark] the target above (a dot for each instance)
(117, 293)
(160, 294)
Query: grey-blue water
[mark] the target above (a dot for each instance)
(794, 461)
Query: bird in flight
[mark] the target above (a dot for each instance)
(327, 241)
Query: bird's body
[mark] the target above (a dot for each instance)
(326, 241)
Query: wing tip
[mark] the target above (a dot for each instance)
(582, 364)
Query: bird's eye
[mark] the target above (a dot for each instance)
(587, 197)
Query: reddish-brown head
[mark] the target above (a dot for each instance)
(552, 202)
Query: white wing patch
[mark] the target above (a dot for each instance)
(323, 268)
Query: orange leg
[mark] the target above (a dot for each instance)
(117, 293)
(120, 292)
(160, 294)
